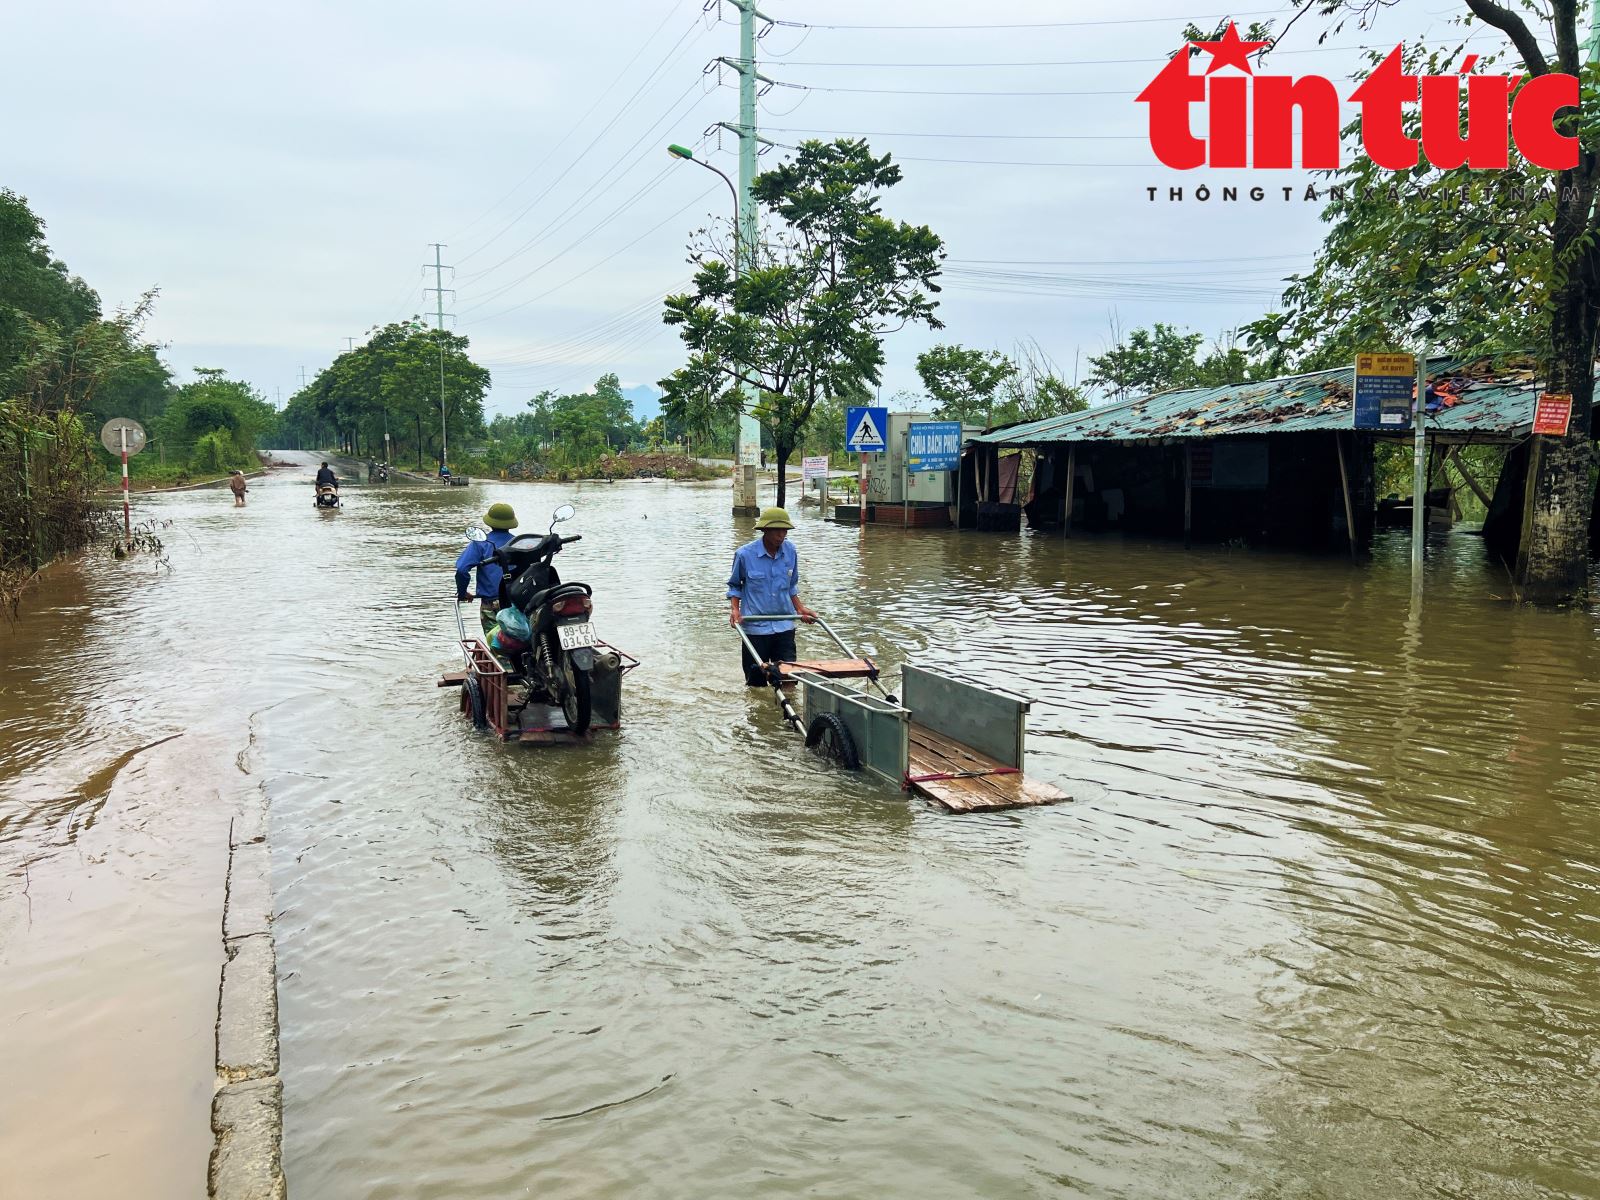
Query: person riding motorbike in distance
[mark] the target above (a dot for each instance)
(326, 477)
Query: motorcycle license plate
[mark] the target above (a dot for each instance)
(574, 636)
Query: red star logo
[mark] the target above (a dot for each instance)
(1230, 51)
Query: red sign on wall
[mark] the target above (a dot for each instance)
(1552, 414)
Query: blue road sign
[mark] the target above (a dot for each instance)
(933, 446)
(866, 430)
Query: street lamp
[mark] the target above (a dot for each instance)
(749, 429)
(687, 155)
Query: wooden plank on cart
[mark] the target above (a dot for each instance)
(452, 679)
(963, 780)
(829, 668)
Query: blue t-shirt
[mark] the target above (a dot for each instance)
(765, 583)
(481, 555)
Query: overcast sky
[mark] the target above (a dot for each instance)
(279, 171)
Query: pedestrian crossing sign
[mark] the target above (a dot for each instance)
(865, 429)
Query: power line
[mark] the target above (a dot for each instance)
(567, 282)
(574, 126)
(1071, 62)
(593, 141)
(621, 164)
(1017, 137)
(811, 87)
(1176, 20)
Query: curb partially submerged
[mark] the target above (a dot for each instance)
(247, 1112)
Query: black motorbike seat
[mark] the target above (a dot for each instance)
(550, 595)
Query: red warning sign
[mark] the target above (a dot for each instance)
(1552, 414)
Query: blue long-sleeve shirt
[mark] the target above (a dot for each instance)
(765, 583)
(481, 556)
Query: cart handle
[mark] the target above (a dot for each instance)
(828, 629)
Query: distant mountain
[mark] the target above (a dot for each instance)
(646, 400)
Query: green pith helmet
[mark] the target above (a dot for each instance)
(774, 518)
(500, 516)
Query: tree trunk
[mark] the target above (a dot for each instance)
(419, 443)
(783, 453)
(1553, 559)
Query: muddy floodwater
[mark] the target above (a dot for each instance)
(1322, 919)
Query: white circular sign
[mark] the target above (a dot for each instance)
(111, 435)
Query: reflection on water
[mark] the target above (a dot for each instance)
(1322, 919)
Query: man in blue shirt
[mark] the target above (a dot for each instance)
(766, 579)
(501, 520)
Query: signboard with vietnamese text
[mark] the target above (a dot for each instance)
(814, 467)
(933, 446)
(1385, 387)
(1552, 413)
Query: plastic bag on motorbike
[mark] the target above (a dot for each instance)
(514, 625)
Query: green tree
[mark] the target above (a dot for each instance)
(1456, 259)
(807, 321)
(1498, 273)
(963, 382)
(391, 382)
(1035, 390)
(1146, 361)
(215, 422)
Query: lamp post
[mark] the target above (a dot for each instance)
(744, 484)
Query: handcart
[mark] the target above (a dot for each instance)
(498, 699)
(952, 740)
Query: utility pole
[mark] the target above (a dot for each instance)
(302, 379)
(747, 237)
(349, 344)
(438, 289)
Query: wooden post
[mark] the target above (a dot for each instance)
(1454, 456)
(1072, 474)
(961, 459)
(1344, 483)
(1188, 489)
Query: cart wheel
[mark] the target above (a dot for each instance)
(829, 738)
(472, 693)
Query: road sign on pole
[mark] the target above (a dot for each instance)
(123, 436)
(866, 429)
(866, 432)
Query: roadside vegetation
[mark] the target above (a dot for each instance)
(66, 366)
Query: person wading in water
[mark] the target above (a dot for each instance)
(479, 556)
(766, 580)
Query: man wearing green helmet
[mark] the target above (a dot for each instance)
(501, 520)
(766, 579)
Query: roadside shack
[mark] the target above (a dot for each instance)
(1274, 463)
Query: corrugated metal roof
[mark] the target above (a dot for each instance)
(1492, 399)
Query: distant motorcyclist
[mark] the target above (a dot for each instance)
(326, 477)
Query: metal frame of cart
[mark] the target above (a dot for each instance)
(486, 681)
(953, 740)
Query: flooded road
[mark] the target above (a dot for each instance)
(1323, 919)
